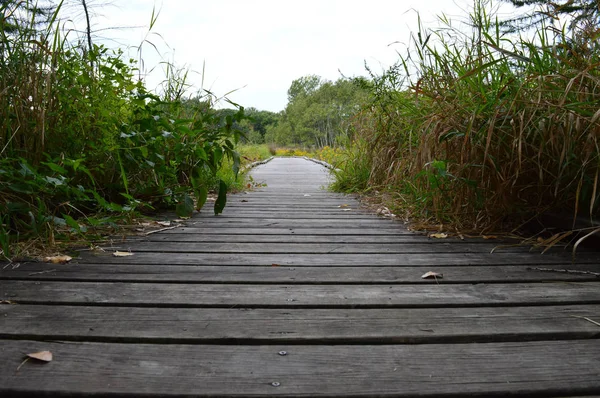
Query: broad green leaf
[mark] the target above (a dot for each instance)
(72, 223)
(201, 153)
(185, 208)
(54, 181)
(217, 157)
(201, 196)
(26, 170)
(56, 168)
(236, 163)
(21, 187)
(222, 198)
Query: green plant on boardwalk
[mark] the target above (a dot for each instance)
(485, 129)
(83, 143)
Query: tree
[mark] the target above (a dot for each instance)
(582, 12)
(16, 15)
(303, 86)
(261, 120)
(318, 113)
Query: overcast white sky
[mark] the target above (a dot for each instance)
(260, 46)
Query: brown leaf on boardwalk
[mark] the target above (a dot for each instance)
(58, 259)
(45, 356)
(439, 235)
(431, 274)
(122, 254)
(8, 302)
(275, 265)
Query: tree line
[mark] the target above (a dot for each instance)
(319, 113)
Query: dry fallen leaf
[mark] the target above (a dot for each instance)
(122, 254)
(343, 206)
(164, 223)
(489, 236)
(431, 274)
(440, 235)
(58, 259)
(275, 265)
(8, 302)
(45, 356)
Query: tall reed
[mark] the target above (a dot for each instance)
(83, 142)
(487, 128)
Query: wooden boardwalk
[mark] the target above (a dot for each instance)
(295, 291)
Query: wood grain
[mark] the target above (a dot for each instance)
(326, 296)
(296, 275)
(286, 294)
(546, 368)
(316, 326)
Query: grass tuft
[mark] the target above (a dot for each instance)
(484, 131)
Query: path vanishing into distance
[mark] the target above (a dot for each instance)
(297, 291)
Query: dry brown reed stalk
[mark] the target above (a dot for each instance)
(485, 135)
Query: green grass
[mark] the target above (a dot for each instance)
(484, 131)
(253, 152)
(249, 153)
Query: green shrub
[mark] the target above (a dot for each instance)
(81, 137)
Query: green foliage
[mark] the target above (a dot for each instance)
(492, 129)
(81, 138)
(354, 170)
(221, 198)
(253, 153)
(304, 87)
(319, 113)
(579, 11)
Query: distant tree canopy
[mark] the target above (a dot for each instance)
(581, 12)
(318, 113)
(255, 126)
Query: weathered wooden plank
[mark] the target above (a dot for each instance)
(230, 295)
(216, 222)
(332, 259)
(293, 238)
(294, 275)
(290, 204)
(316, 326)
(284, 212)
(387, 229)
(326, 296)
(268, 194)
(545, 368)
(291, 197)
(290, 214)
(311, 248)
